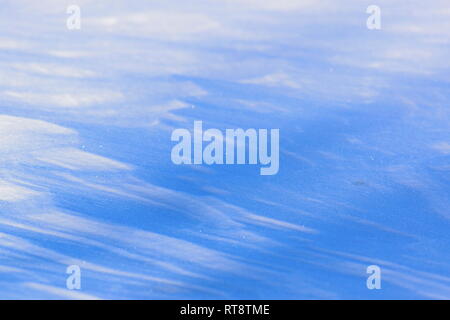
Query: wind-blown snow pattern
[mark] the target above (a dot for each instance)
(86, 176)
